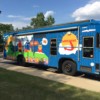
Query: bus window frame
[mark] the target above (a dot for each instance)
(88, 47)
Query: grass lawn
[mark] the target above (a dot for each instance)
(18, 86)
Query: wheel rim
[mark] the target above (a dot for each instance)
(67, 68)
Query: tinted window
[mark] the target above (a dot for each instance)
(53, 47)
(88, 42)
(53, 42)
(88, 50)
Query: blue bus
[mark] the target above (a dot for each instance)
(68, 47)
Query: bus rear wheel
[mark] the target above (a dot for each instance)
(21, 60)
(69, 67)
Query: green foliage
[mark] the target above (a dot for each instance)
(26, 28)
(50, 20)
(40, 21)
(6, 28)
(23, 28)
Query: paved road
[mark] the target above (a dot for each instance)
(81, 81)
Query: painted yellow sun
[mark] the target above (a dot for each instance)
(69, 39)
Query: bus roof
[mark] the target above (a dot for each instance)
(59, 27)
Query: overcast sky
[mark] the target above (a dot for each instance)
(20, 12)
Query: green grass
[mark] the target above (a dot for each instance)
(18, 86)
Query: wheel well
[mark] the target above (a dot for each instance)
(62, 60)
(20, 56)
(20, 60)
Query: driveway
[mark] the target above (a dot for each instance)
(79, 81)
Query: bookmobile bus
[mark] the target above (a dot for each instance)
(69, 47)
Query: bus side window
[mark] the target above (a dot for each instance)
(53, 47)
(98, 40)
(88, 47)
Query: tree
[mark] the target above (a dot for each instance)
(6, 28)
(40, 21)
(50, 20)
(26, 28)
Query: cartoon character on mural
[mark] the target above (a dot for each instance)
(40, 48)
(69, 44)
(41, 57)
(9, 45)
(20, 47)
(27, 46)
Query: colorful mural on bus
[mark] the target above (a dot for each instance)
(24, 45)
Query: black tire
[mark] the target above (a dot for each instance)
(69, 68)
(21, 61)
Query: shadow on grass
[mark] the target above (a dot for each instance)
(18, 86)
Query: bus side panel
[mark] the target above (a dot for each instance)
(62, 44)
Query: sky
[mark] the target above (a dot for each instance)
(20, 12)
